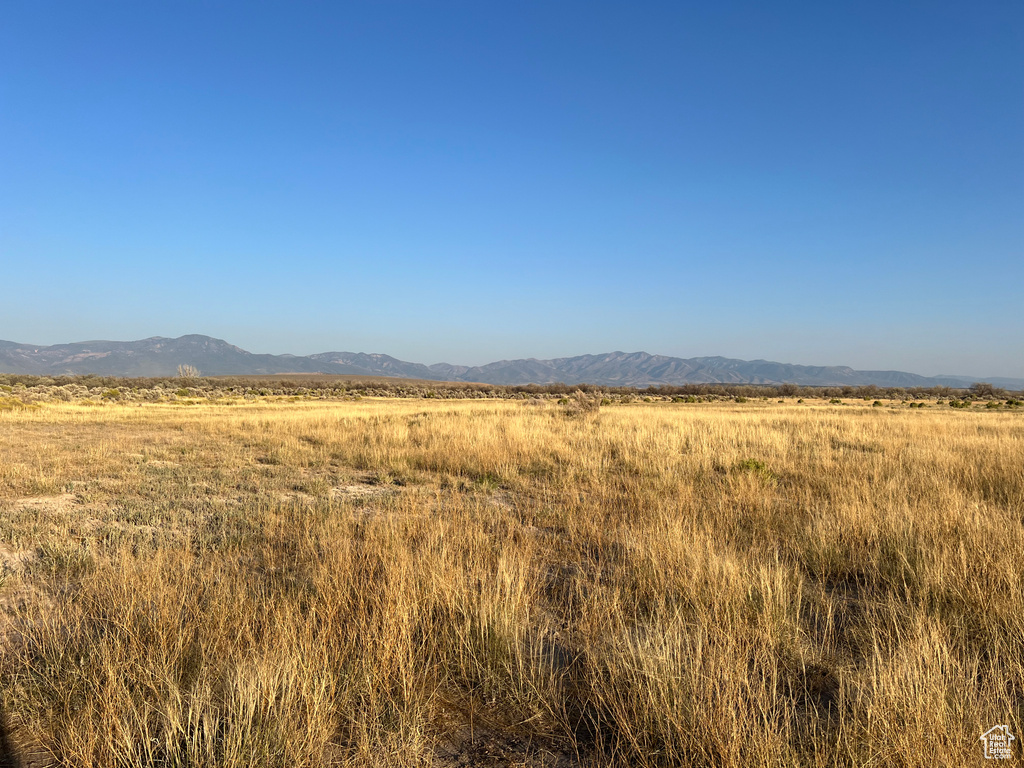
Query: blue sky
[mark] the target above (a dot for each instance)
(817, 183)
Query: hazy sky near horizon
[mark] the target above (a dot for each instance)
(815, 183)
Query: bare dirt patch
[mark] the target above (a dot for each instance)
(14, 560)
(361, 491)
(63, 502)
(86, 518)
(295, 496)
(367, 485)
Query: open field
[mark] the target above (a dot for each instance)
(502, 582)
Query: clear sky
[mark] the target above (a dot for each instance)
(816, 183)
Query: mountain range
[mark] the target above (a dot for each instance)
(159, 356)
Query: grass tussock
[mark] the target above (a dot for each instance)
(502, 583)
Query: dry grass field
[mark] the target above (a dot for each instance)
(444, 583)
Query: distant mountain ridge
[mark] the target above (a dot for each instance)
(160, 356)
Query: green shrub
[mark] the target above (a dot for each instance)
(112, 394)
(66, 559)
(835, 401)
(759, 468)
(740, 399)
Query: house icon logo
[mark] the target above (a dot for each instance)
(997, 742)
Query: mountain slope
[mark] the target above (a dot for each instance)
(159, 356)
(156, 356)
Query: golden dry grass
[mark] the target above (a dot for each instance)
(391, 582)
